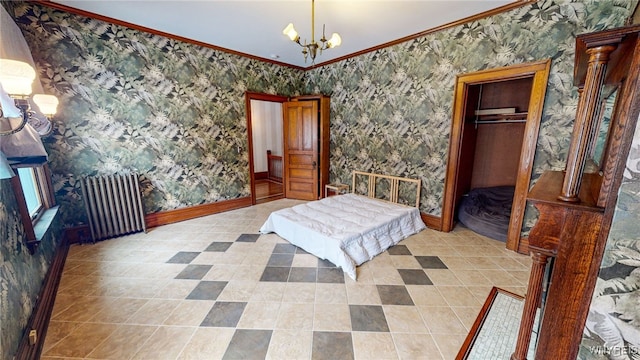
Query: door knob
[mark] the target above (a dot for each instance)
(313, 164)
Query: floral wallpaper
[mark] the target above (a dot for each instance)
(392, 108)
(613, 325)
(133, 101)
(21, 273)
(175, 113)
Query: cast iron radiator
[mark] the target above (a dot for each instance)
(114, 205)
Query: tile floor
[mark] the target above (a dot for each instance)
(212, 288)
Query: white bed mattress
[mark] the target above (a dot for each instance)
(345, 229)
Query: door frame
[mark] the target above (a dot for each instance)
(539, 70)
(262, 97)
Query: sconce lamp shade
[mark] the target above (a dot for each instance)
(335, 41)
(291, 32)
(16, 77)
(48, 104)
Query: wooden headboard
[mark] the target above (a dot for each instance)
(394, 185)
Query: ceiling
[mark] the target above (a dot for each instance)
(255, 27)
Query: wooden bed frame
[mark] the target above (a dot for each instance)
(394, 185)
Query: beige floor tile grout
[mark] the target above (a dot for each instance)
(123, 269)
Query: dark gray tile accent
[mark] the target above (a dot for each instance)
(368, 318)
(394, 295)
(218, 246)
(284, 260)
(325, 263)
(284, 249)
(303, 274)
(399, 250)
(301, 251)
(330, 275)
(224, 314)
(183, 257)
(332, 345)
(248, 344)
(431, 262)
(194, 272)
(207, 290)
(280, 274)
(248, 238)
(414, 277)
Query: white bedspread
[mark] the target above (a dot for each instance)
(345, 229)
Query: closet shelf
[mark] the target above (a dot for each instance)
(501, 118)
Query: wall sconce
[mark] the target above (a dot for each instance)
(16, 78)
(48, 105)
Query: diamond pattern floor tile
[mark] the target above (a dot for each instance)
(222, 293)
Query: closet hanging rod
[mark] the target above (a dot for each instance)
(501, 121)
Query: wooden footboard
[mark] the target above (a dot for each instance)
(392, 193)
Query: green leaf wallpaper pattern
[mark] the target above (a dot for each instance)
(21, 273)
(132, 101)
(174, 112)
(612, 329)
(392, 108)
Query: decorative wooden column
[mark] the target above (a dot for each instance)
(531, 303)
(586, 120)
(576, 208)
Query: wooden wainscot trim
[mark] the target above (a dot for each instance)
(262, 175)
(432, 221)
(32, 341)
(78, 234)
(192, 212)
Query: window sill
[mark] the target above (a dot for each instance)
(42, 227)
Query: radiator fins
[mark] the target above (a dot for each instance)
(113, 204)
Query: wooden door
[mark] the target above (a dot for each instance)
(301, 150)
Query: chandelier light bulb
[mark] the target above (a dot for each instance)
(335, 41)
(291, 32)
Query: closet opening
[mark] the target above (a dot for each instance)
(493, 139)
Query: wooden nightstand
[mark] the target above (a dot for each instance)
(336, 188)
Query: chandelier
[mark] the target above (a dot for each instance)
(311, 49)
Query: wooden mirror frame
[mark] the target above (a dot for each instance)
(602, 66)
(575, 233)
(467, 348)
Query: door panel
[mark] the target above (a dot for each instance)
(301, 159)
(301, 187)
(301, 174)
(301, 150)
